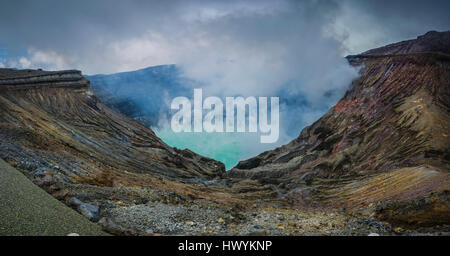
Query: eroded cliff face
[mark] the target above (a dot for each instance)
(54, 130)
(54, 118)
(387, 139)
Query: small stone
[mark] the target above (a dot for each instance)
(87, 210)
(373, 234)
(257, 227)
(60, 194)
(221, 220)
(398, 230)
(39, 172)
(121, 203)
(13, 164)
(190, 223)
(73, 234)
(280, 226)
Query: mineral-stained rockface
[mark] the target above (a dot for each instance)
(386, 140)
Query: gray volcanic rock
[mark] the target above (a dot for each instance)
(88, 210)
(432, 41)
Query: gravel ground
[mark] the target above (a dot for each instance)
(26, 209)
(159, 218)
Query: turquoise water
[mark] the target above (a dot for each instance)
(228, 148)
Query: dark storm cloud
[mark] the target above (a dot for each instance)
(408, 15)
(367, 24)
(74, 28)
(54, 23)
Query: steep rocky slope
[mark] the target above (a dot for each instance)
(54, 130)
(53, 120)
(386, 140)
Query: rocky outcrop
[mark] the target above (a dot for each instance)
(52, 120)
(11, 79)
(56, 132)
(433, 41)
(387, 139)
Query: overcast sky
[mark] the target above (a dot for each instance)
(233, 47)
(110, 35)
